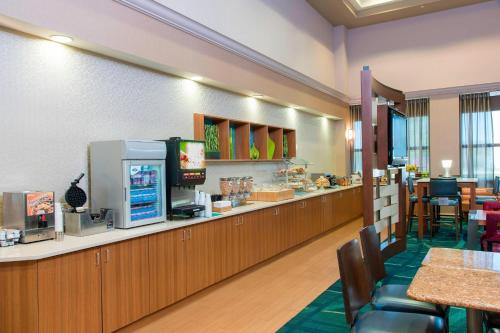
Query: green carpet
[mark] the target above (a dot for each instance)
(326, 312)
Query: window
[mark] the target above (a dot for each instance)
(417, 111)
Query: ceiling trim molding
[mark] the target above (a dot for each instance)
(175, 19)
(458, 90)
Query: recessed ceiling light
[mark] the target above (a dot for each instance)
(422, 6)
(196, 78)
(61, 39)
(257, 95)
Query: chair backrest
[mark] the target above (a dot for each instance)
(443, 187)
(491, 205)
(491, 224)
(372, 254)
(411, 188)
(355, 282)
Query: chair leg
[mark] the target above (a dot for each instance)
(410, 217)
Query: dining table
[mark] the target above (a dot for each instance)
(422, 190)
(461, 278)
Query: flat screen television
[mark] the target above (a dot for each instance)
(397, 143)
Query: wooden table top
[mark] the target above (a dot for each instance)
(467, 288)
(462, 259)
(459, 180)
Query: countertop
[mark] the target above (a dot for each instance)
(467, 288)
(50, 248)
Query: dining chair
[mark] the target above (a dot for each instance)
(413, 199)
(492, 235)
(444, 192)
(492, 321)
(481, 199)
(391, 297)
(356, 292)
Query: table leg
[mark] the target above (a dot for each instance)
(474, 321)
(472, 204)
(472, 234)
(420, 210)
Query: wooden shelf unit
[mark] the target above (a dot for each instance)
(243, 131)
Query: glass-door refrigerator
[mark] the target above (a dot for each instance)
(128, 176)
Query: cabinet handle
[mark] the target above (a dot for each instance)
(107, 255)
(97, 258)
(276, 211)
(183, 235)
(189, 233)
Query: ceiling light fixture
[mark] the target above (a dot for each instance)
(61, 39)
(196, 78)
(257, 95)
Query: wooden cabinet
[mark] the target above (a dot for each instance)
(104, 289)
(69, 292)
(314, 216)
(125, 283)
(248, 237)
(201, 262)
(18, 297)
(167, 268)
(357, 199)
(327, 212)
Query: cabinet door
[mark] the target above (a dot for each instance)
(167, 268)
(18, 297)
(313, 217)
(327, 212)
(288, 226)
(339, 210)
(269, 232)
(248, 238)
(231, 261)
(301, 226)
(69, 292)
(358, 202)
(125, 283)
(200, 257)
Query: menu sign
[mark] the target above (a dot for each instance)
(192, 155)
(39, 203)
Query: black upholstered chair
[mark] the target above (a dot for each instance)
(356, 290)
(447, 189)
(391, 297)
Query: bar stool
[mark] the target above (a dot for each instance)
(413, 201)
(444, 192)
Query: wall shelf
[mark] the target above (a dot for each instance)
(236, 138)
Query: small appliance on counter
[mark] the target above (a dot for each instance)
(128, 176)
(85, 224)
(236, 189)
(185, 169)
(31, 212)
(356, 179)
(79, 221)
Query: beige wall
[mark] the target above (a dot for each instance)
(445, 49)
(110, 28)
(290, 32)
(444, 133)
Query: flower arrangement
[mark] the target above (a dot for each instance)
(411, 168)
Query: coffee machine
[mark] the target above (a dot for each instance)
(30, 212)
(185, 168)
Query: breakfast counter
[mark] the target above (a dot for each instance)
(50, 248)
